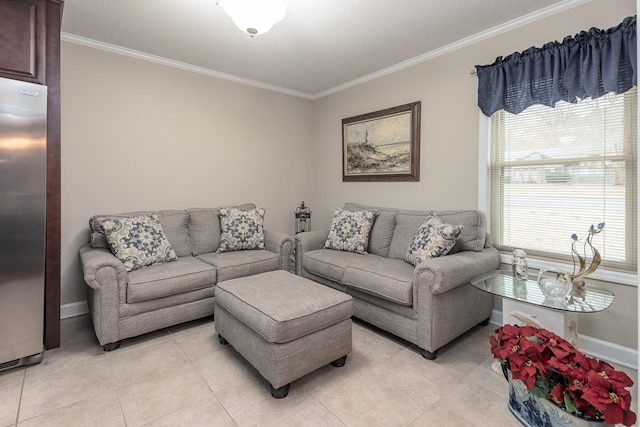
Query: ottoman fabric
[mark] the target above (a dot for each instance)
(283, 363)
(282, 307)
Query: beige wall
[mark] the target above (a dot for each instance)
(142, 136)
(449, 138)
(139, 136)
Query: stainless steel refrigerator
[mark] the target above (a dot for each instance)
(23, 132)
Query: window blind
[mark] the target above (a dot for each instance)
(555, 171)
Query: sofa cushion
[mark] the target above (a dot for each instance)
(350, 231)
(386, 278)
(328, 263)
(174, 224)
(382, 229)
(176, 227)
(258, 302)
(204, 228)
(407, 223)
(231, 265)
(472, 237)
(162, 280)
(137, 241)
(241, 229)
(433, 239)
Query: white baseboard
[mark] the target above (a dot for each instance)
(74, 309)
(496, 318)
(594, 347)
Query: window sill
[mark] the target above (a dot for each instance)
(600, 274)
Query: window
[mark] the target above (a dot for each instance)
(556, 171)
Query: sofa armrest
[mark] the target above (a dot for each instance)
(281, 244)
(308, 241)
(448, 272)
(107, 278)
(93, 260)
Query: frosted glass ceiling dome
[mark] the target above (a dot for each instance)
(254, 16)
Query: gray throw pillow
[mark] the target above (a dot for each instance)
(137, 241)
(350, 231)
(433, 239)
(241, 229)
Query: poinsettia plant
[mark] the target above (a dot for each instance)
(552, 368)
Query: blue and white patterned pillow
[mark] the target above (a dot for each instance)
(350, 231)
(241, 229)
(433, 239)
(137, 241)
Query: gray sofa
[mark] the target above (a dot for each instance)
(126, 304)
(430, 304)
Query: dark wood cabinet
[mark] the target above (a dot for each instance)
(30, 51)
(23, 40)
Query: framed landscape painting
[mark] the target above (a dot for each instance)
(383, 145)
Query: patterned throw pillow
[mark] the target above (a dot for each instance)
(350, 231)
(433, 239)
(241, 229)
(137, 241)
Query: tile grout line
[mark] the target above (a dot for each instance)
(24, 377)
(206, 383)
(331, 412)
(277, 422)
(124, 416)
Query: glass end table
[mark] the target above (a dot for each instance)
(524, 303)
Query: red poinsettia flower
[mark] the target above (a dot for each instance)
(610, 398)
(608, 372)
(577, 378)
(577, 383)
(564, 366)
(495, 347)
(584, 407)
(557, 393)
(559, 346)
(525, 368)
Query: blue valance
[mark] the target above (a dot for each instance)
(589, 64)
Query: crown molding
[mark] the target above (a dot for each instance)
(503, 28)
(71, 38)
(515, 23)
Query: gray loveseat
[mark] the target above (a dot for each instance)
(126, 304)
(430, 304)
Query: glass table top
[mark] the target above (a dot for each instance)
(502, 283)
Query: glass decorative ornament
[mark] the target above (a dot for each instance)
(519, 264)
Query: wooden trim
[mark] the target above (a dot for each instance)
(52, 262)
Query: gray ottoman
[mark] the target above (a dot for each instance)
(284, 325)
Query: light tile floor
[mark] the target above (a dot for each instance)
(182, 376)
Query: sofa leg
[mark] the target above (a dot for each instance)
(485, 322)
(429, 355)
(281, 392)
(339, 363)
(222, 340)
(111, 346)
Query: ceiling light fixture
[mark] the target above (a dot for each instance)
(254, 16)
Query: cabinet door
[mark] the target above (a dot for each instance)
(22, 40)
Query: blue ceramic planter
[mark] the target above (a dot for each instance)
(533, 411)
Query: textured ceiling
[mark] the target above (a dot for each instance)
(320, 44)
